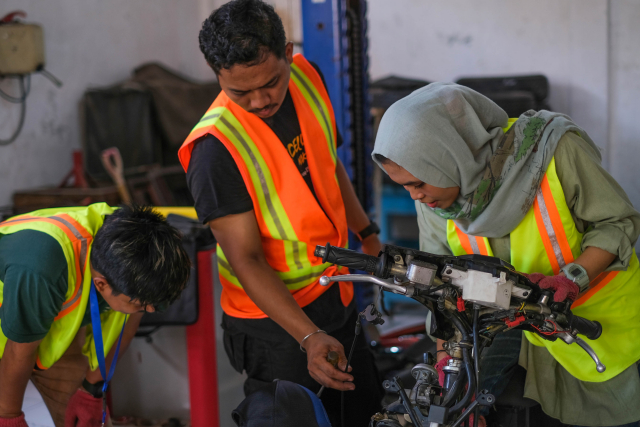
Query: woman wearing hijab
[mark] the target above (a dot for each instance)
(532, 192)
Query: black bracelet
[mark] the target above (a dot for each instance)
(94, 390)
(370, 229)
(440, 351)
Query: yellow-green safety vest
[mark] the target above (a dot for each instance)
(74, 229)
(546, 240)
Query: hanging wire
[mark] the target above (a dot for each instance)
(22, 100)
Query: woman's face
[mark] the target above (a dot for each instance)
(434, 197)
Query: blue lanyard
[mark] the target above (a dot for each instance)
(97, 339)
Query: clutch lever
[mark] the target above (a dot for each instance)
(396, 289)
(570, 339)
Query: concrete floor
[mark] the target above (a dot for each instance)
(35, 411)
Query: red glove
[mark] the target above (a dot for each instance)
(441, 364)
(13, 422)
(84, 410)
(562, 287)
(481, 421)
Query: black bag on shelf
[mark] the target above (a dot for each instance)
(514, 94)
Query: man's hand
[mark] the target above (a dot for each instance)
(371, 245)
(83, 410)
(13, 422)
(318, 347)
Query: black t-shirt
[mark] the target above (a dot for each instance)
(219, 190)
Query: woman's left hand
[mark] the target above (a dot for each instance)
(562, 287)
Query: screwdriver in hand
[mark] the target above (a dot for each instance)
(333, 357)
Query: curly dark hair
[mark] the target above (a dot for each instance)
(241, 32)
(141, 256)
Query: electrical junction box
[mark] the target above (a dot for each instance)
(21, 48)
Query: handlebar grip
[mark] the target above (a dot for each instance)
(591, 329)
(347, 258)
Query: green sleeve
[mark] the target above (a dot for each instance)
(34, 271)
(433, 231)
(600, 207)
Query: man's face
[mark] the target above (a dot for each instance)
(259, 89)
(434, 197)
(121, 302)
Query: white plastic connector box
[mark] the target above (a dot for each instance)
(21, 48)
(482, 288)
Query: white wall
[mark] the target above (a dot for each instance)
(625, 97)
(93, 43)
(588, 49)
(88, 43)
(442, 41)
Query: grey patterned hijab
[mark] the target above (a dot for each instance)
(447, 135)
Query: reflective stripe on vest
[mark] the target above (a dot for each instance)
(271, 208)
(73, 229)
(294, 279)
(467, 244)
(290, 220)
(319, 107)
(546, 240)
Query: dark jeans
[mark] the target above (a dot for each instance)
(265, 361)
(499, 361)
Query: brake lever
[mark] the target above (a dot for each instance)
(396, 289)
(570, 339)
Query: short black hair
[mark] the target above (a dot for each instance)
(242, 32)
(141, 256)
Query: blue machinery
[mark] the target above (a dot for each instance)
(335, 38)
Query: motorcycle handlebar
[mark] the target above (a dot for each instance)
(347, 258)
(591, 329)
(371, 264)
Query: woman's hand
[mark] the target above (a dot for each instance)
(562, 287)
(594, 260)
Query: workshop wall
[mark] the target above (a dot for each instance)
(442, 41)
(88, 43)
(624, 139)
(588, 49)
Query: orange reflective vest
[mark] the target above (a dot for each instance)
(73, 229)
(290, 220)
(545, 241)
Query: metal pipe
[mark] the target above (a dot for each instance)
(476, 353)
